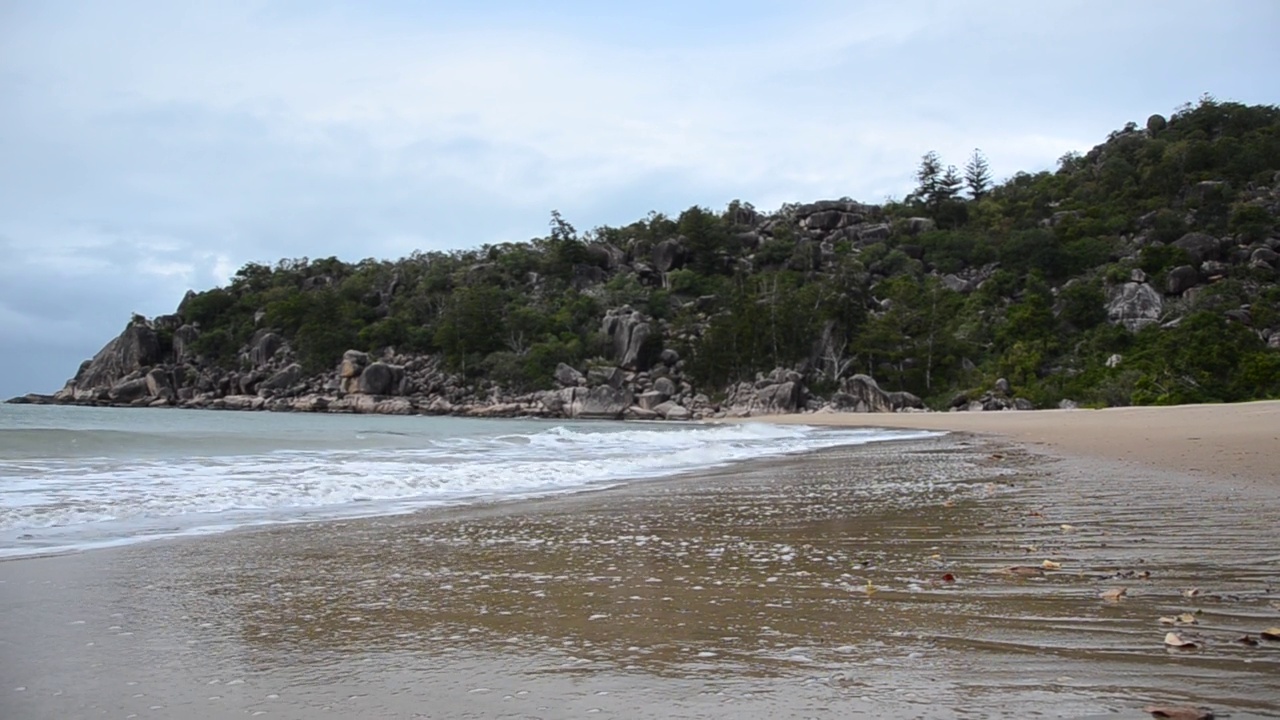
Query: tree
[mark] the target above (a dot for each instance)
(471, 324)
(706, 238)
(977, 175)
(563, 249)
(913, 337)
(928, 177)
(949, 186)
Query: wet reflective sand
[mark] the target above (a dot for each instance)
(872, 580)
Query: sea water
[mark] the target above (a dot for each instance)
(75, 478)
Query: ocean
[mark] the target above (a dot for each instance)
(78, 478)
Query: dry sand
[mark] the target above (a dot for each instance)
(1240, 441)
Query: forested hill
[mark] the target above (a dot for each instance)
(1144, 271)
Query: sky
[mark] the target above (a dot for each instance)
(148, 148)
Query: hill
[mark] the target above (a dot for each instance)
(1141, 272)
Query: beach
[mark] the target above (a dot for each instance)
(1017, 566)
(1239, 442)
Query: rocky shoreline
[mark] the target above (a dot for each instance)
(150, 364)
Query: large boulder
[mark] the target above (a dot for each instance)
(1134, 305)
(780, 391)
(553, 402)
(183, 340)
(603, 402)
(665, 385)
(604, 255)
(1181, 279)
(283, 379)
(627, 331)
(127, 391)
(1264, 256)
(861, 393)
(605, 375)
(159, 383)
(353, 363)
(567, 376)
(672, 411)
(827, 220)
(874, 233)
(380, 379)
(1199, 246)
(918, 225)
(903, 400)
(786, 397)
(955, 283)
(263, 347)
(669, 255)
(650, 400)
(635, 412)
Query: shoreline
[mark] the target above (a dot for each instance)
(803, 585)
(1233, 440)
(695, 450)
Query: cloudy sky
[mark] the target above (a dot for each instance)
(148, 148)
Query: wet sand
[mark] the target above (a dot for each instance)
(867, 581)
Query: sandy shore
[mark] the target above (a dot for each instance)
(869, 581)
(1224, 441)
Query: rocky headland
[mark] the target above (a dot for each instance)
(139, 369)
(1142, 272)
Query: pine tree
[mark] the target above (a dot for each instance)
(977, 175)
(929, 176)
(949, 186)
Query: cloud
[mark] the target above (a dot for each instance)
(149, 147)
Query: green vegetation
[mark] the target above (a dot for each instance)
(964, 281)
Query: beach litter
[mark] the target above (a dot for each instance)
(1114, 594)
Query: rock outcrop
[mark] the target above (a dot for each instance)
(627, 331)
(781, 391)
(861, 393)
(136, 348)
(138, 369)
(1134, 305)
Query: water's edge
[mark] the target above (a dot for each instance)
(99, 482)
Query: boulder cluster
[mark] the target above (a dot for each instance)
(1141, 300)
(150, 365)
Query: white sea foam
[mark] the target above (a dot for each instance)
(160, 484)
